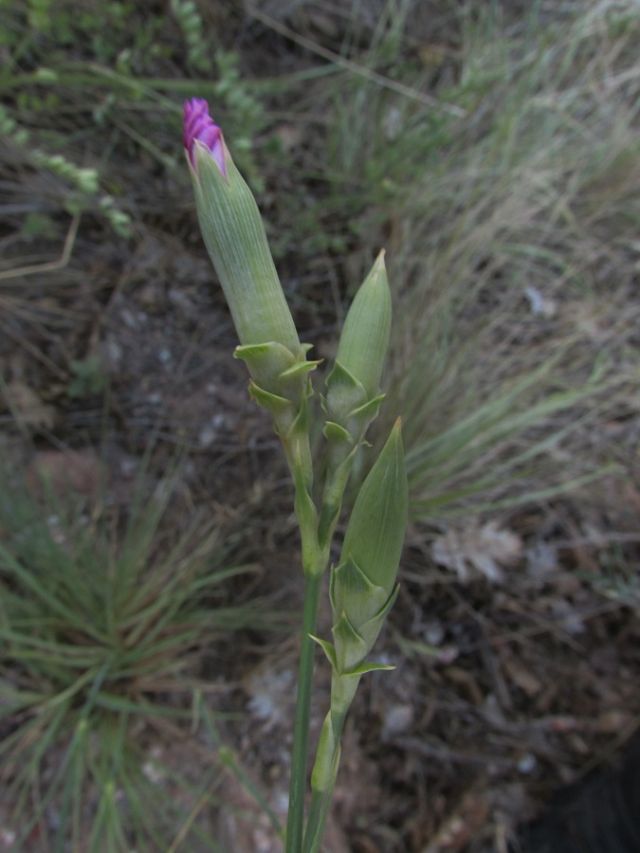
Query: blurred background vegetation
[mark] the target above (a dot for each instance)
(148, 573)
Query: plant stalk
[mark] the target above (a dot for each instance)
(298, 783)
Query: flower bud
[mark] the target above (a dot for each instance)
(199, 126)
(376, 529)
(353, 398)
(365, 336)
(235, 237)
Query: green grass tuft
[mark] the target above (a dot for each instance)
(102, 634)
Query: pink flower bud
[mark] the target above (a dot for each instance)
(200, 127)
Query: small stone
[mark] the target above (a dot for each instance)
(434, 633)
(397, 719)
(527, 763)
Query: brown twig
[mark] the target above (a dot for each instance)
(49, 266)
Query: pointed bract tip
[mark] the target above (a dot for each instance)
(380, 258)
(395, 437)
(199, 127)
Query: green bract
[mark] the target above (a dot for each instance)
(363, 585)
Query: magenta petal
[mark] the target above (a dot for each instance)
(209, 135)
(198, 126)
(218, 155)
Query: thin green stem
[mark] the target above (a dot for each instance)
(297, 787)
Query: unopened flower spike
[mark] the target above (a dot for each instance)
(235, 237)
(363, 584)
(200, 127)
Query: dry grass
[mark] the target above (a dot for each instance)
(512, 246)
